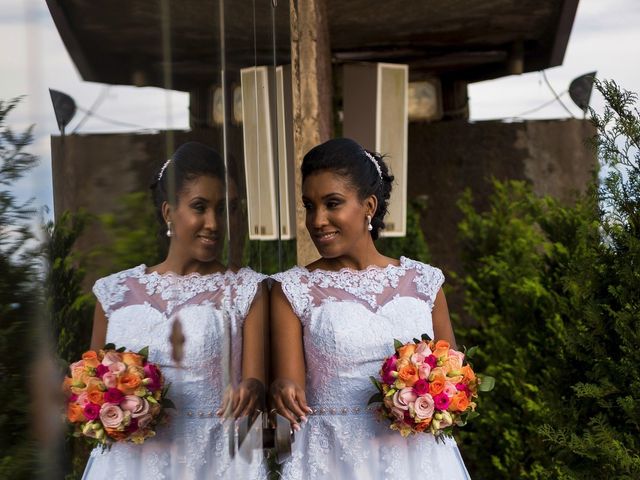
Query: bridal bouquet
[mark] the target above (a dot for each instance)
(426, 386)
(115, 396)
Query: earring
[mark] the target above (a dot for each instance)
(169, 229)
(369, 226)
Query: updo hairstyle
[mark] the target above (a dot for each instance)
(348, 158)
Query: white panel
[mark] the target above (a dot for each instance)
(286, 166)
(375, 103)
(258, 153)
(391, 140)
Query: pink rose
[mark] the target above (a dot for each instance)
(92, 411)
(111, 358)
(117, 368)
(144, 420)
(402, 398)
(82, 399)
(461, 387)
(153, 381)
(388, 368)
(456, 353)
(110, 380)
(424, 407)
(424, 371)
(398, 413)
(450, 389)
(113, 395)
(431, 360)
(421, 387)
(452, 364)
(134, 404)
(441, 401)
(417, 358)
(423, 349)
(101, 370)
(111, 415)
(73, 398)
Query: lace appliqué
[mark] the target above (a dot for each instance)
(244, 290)
(177, 290)
(111, 290)
(429, 281)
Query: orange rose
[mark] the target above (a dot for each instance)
(409, 375)
(117, 435)
(468, 374)
(407, 350)
(459, 402)
(95, 396)
(75, 413)
(437, 385)
(136, 370)
(401, 363)
(422, 426)
(90, 359)
(130, 358)
(66, 385)
(128, 383)
(442, 348)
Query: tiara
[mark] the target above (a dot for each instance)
(375, 162)
(164, 167)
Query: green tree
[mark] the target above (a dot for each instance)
(18, 301)
(553, 290)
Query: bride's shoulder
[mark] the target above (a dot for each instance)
(422, 269)
(122, 275)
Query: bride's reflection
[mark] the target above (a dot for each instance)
(215, 316)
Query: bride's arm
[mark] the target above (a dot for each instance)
(287, 389)
(99, 333)
(250, 393)
(442, 329)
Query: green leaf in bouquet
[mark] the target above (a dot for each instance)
(472, 351)
(397, 344)
(486, 383)
(416, 341)
(109, 346)
(375, 398)
(166, 403)
(425, 337)
(376, 383)
(121, 349)
(150, 399)
(144, 352)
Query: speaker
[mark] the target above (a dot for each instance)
(375, 109)
(267, 128)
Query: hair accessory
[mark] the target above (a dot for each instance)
(375, 162)
(164, 167)
(369, 226)
(169, 229)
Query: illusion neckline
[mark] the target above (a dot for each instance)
(367, 269)
(142, 270)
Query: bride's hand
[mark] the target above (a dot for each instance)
(243, 400)
(290, 401)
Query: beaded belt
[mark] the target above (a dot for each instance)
(337, 410)
(190, 413)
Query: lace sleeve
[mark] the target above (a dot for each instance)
(245, 290)
(109, 291)
(296, 288)
(428, 281)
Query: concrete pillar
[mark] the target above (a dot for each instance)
(311, 82)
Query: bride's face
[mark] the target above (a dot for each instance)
(336, 217)
(198, 219)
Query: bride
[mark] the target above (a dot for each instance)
(334, 321)
(222, 314)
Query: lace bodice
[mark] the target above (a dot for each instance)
(350, 319)
(140, 308)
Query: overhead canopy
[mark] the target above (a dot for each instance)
(120, 41)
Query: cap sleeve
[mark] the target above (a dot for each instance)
(295, 286)
(428, 281)
(245, 290)
(111, 290)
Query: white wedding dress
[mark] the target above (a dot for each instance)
(140, 308)
(350, 319)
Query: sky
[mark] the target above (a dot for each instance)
(605, 38)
